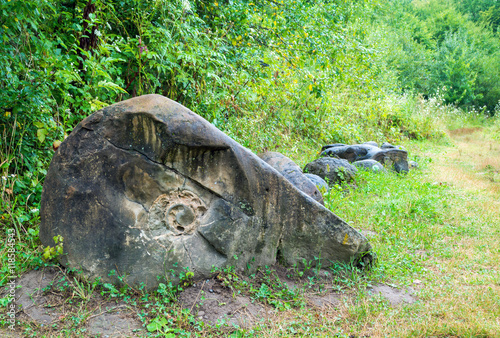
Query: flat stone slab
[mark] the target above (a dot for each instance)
(36, 306)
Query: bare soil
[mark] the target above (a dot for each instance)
(213, 303)
(41, 308)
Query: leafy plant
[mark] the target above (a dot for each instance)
(51, 253)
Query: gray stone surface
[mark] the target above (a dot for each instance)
(39, 302)
(387, 145)
(392, 157)
(317, 181)
(115, 324)
(332, 146)
(370, 165)
(292, 172)
(30, 298)
(146, 187)
(332, 170)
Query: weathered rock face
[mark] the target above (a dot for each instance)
(146, 187)
(333, 170)
(292, 172)
(389, 155)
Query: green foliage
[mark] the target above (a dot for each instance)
(452, 68)
(51, 253)
(26, 255)
(269, 65)
(482, 11)
(436, 50)
(276, 293)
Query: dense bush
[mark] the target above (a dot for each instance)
(435, 48)
(483, 11)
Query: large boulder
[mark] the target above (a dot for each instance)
(333, 170)
(390, 155)
(148, 188)
(292, 172)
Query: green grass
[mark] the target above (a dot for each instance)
(404, 212)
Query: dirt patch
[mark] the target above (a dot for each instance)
(114, 324)
(393, 295)
(473, 164)
(5, 333)
(327, 300)
(46, 304)
(213, 303)
(464, 131)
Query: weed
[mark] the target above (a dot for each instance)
(52, 253)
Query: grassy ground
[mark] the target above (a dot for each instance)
(436, 232)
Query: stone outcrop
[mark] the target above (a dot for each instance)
(147, 188)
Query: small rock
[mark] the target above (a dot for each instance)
(387, 145)
(332, 146)
(317, 181)
(333, 170)
(370, 165)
